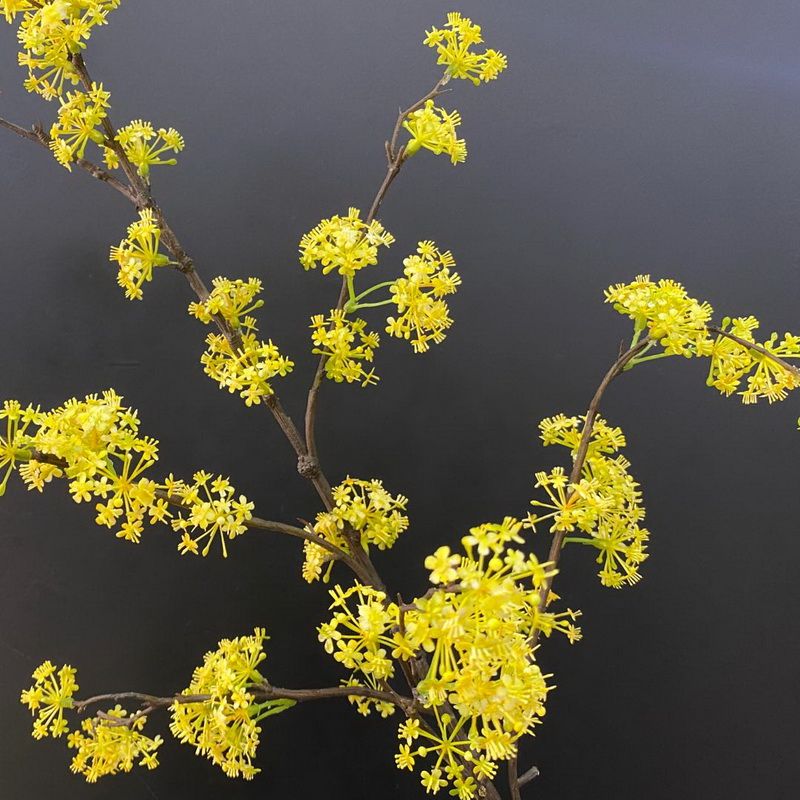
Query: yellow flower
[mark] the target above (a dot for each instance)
(344, 343)
(422, 314)
(731, 363)
(51, 693)
(138, 254)
(144, 146)
(249, 370)
(225, 727)
(671, 317)
(366, 508)
(11, 8)
(15, 445)
(107, 748)
(454, 44)
(211, 510)
(345, 244)
(435, 129)
(78, 118)
(605, 504)
(50, 34)
(230, 299)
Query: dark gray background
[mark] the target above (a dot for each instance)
(625, 137)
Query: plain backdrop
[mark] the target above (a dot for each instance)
(625, 137)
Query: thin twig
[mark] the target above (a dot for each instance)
(395, 157)
(39, 136)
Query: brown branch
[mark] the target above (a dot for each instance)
(261, 692)
(513, 779)
(528, 776)
(38, 135)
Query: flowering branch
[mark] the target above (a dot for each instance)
(396, 157)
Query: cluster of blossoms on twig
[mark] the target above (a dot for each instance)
(680, 324)
(240, 362)
(363, 507)
(96, 446)
(605, 503)
(482, 689)
(225, 727)
(218, 714)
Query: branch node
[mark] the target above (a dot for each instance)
(308, 466)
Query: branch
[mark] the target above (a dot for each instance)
(261, 692)
(39, 136)
(580, 457)
(513, 779)
(395, 157)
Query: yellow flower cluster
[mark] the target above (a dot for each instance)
(606, 502)
(435, 129)
(345, 344)
(225, 728)
(105, 459)
(671, 317)
(208, 506)
(247, 366)
(345, 244)
(249, 369)
(138, 254)
(98, 448)
(78, 118)
(364, 507)
(15, 446)
(454, 44)
(144, 146)
(421, 311)
(732, 362)
(230, 299)
(51, 33)
(112, 744)
(483, 688)
(361, 640)
(51, 693)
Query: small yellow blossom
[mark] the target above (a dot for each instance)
(345, 244)
(10, 8)
(345, 344)
(361, 639)
(230, 299)
(249, 370)
(144, 146)
(51, 693)
(605, 503)
(138, 254)
(422, 314)
(672, 318)
(435, 129)
(51, 33)
(15, 446)
(78, 118)
(225, 727)
(364, 507)
(210, 507)
(106, 747)
(765, 378)
(454, 45)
